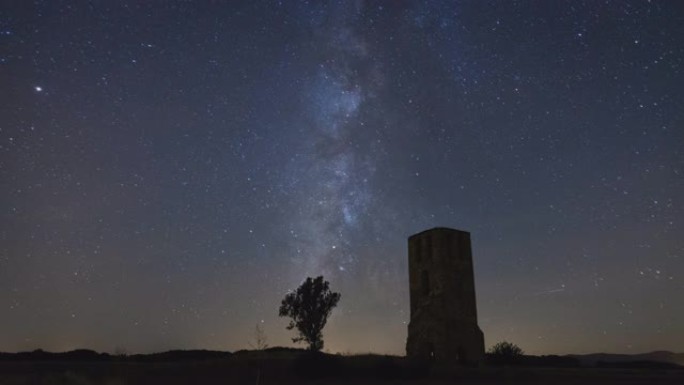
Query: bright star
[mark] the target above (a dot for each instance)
(38, 88)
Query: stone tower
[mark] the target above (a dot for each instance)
(443, 323)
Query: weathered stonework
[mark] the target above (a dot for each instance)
(443, 323)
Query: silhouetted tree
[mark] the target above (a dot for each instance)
(309, 308)
(505, 353)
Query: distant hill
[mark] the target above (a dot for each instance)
(657, 359)
(41, 355)
(601, 359)
(85, 355)
(180, 355)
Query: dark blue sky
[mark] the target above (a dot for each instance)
(170, 169)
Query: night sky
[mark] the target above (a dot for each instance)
(170, 169)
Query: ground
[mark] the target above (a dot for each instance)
(261, 369)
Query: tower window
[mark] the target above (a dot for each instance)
(431, 351)
(425, 282)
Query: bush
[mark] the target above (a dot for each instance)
(505, 353)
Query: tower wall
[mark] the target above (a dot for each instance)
(443, 325)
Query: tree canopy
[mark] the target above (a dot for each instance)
(308, 308)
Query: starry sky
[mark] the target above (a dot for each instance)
(170, 169)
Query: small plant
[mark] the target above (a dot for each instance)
(120, 352)
(259, 338)
(505, 353)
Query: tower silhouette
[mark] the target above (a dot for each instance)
(443, 324)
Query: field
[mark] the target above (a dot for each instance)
(288, 369)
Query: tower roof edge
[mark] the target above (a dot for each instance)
(439, 229)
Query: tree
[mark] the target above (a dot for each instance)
(309, 308)
(504, 353)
